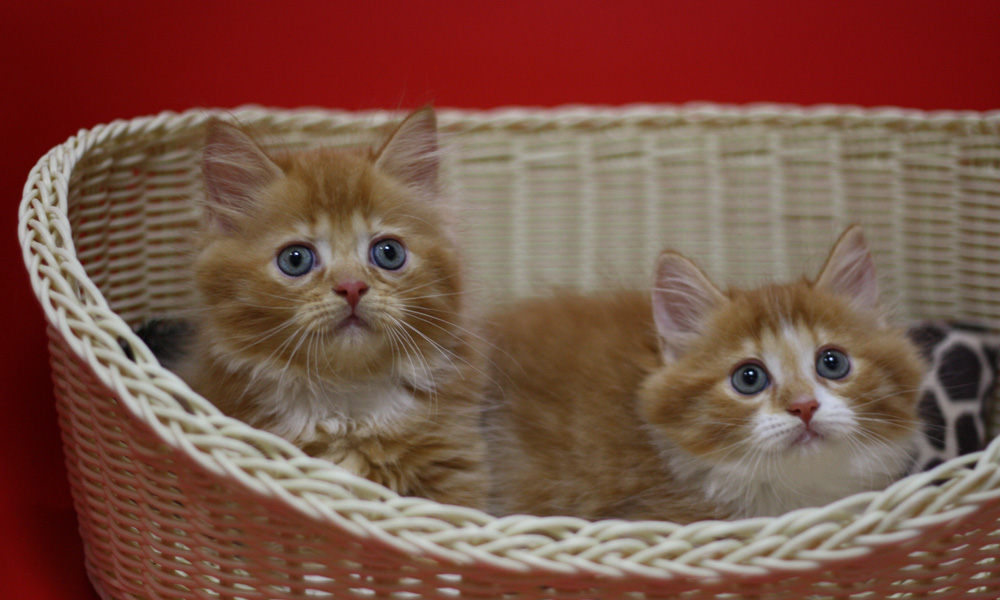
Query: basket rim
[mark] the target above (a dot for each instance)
(268, 466)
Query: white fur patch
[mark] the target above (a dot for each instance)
(299, 408)
(770, 484)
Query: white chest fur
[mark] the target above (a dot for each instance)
(295, 410)
(773, 485)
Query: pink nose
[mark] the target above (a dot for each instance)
(351, 291)
(804, 409)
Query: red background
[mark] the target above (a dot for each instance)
(69, 65)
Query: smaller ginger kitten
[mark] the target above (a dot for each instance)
(332, 308)
(693, 403)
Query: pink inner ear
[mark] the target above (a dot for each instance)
(411, 152)
(850, 270)
(682, 299)
(235, 171)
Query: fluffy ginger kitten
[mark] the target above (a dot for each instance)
(332, 308)
(694, 403)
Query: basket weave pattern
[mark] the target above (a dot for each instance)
(175, 500)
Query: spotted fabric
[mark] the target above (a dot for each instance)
(956, 394)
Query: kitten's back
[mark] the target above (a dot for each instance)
(564, 430)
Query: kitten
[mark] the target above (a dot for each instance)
(700, 404)
(332, 308)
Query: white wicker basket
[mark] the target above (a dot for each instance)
(177, 501)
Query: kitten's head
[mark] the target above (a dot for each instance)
(328, 263)
(774, 381)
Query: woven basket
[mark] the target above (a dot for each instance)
(176, 500)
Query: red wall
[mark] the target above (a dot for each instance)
(68, 65)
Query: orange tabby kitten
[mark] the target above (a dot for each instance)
(333, 310)
(702, 404)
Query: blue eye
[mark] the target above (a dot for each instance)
(388, 254)
(749, 379)
(832, 364)
(296, 260)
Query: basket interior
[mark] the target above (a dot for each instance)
(588, 204)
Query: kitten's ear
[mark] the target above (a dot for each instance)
(411, 152)
(235, 171)
(683, 297)
(850, 270)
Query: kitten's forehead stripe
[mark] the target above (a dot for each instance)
(359, 225)
(787, 352)
(322, 226)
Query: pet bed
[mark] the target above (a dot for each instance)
(176, 500)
